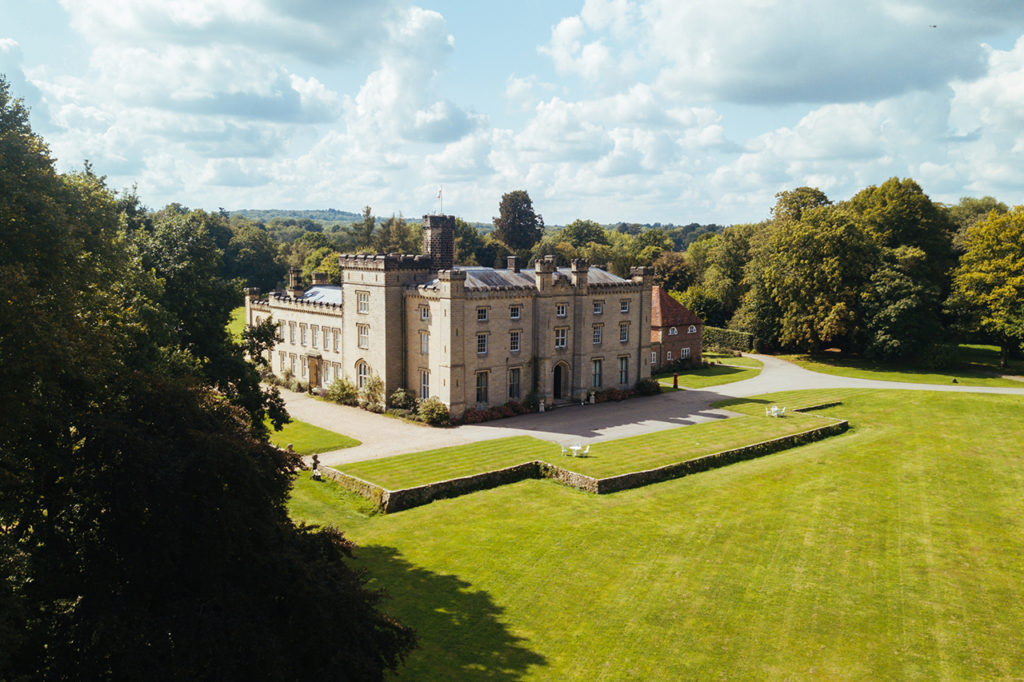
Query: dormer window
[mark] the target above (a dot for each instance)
(672, 331)
(692, 329)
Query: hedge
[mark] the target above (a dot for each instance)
(727, 338)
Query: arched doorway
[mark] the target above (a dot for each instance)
(560, 383)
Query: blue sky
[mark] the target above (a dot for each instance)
(635, 110)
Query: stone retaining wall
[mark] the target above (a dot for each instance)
(406, 498)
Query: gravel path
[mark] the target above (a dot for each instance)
(384, 436)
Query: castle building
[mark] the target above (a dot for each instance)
(473, 336)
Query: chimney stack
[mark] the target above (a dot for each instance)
(513, 263)
(295, 283)
(319, 279)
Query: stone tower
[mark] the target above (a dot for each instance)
(439, 240)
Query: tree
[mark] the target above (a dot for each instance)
(791, 204)
(969, 211)
(582, 232)
(672, 272)
(988, 285)
(143, 528)
(362, 232)
(517, 225)
(812, 272)
(251, 257)
(468, 243)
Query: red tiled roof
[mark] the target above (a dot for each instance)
(668, 312)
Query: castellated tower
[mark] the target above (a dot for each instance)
(439, 240)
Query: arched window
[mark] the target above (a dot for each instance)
(672, 331)
(692, 329)
(362, 373)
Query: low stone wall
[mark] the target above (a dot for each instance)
(637, 479)
(406, 498)
(397, 500)
(370, 491)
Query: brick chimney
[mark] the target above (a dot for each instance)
(439, 240)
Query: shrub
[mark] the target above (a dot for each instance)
(516, 407)
(402, 399)
(937, 356)
(648, 386)
(343, 391)
(371, 395)
(432, 411)
(474, 416)
(401, 413)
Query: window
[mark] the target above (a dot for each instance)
(513, 384)
(424, 343)
(283, 358)
(362, 301)
(684, 353)
(316, 336)
(624, 306)
(424, 312)
(513, 341)
(561, 337)
(481, 314)
(514, 312)
(624, 332)
(364, 335)
(692, 329)
(291, 332)
(424, 384)
(598, 307)
(305, 366)
(481, 387)
(597, 365)
(337, 333)
(303, 334)
(668, 356)
(560, 310)
(362, 374)
(292, 361)
(279, 331)
(481, 344)
(598, 334)
(654, 357)
(623, 370)
(672, 331)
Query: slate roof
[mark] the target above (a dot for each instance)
(323, 293)
(480, 278)
(668, 312)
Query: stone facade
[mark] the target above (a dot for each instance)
(474, 337)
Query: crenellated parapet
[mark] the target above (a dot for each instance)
(384, 261)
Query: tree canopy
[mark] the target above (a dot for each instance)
(143, 532)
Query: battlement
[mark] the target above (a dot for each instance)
(382, 261)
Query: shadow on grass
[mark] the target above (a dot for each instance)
(459, 629)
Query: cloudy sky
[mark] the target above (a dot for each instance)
(635, 110)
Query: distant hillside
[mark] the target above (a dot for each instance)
(329, 215)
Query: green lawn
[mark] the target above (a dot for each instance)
(892, 552)
(237, 323)
(308, 439)
(417, 468)
(610, 458)
(979, 367)
(730, 359)
(714, 375)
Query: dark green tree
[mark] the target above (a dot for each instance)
(517, 225)
(362, 231)
(143, 528)
(252, 257)
(672, 272)
(791, 204)
(468, 243)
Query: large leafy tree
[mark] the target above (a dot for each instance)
(143, 532)
(581, 232)
(517, 224)
(988, 285)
